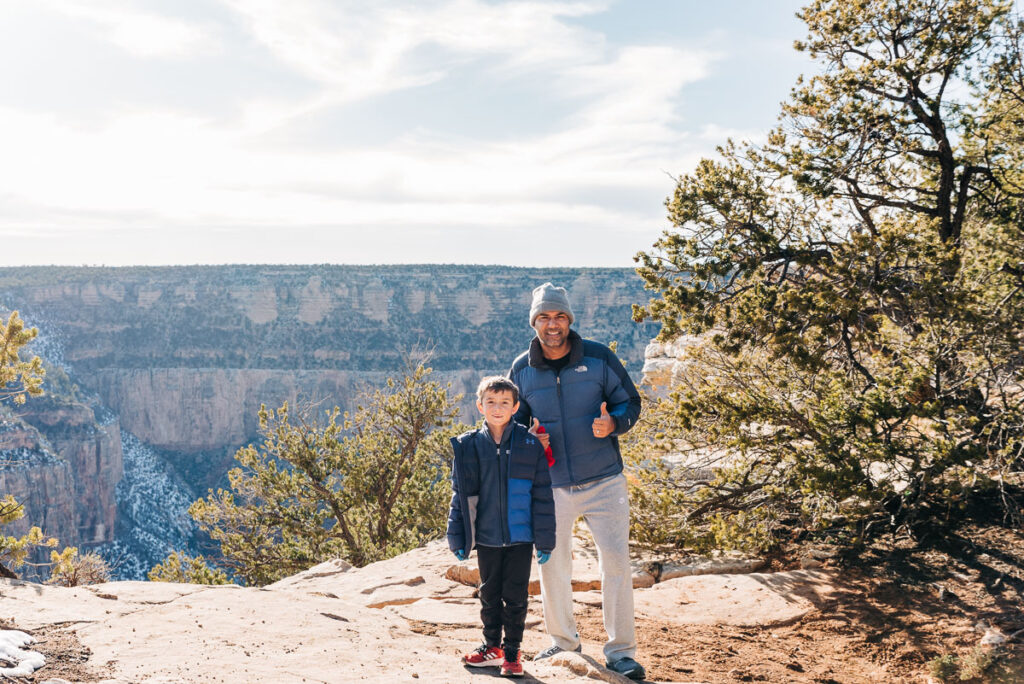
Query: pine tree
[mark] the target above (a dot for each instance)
(369, 486)
(857, 283)
(18, 378)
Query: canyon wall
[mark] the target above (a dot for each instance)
(176, 361)
(311, 317)
(93, 453)
(202, 409)
(63, 467)
(39, 480)
(185, 355)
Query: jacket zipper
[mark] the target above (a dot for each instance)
(565, 443)
(467, 524)
(506, 536)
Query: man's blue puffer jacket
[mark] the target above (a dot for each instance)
(527, 508)
(567, 403)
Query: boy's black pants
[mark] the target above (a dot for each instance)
(504, 585)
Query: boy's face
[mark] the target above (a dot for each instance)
(497, 407)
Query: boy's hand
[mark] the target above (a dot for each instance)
(540, 433)
(542, 557)
(545, 440)
(461, 554)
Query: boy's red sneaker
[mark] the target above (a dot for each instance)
(512, 667)
(484, 656)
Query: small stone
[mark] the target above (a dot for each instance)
(464, 573)
(993, 638)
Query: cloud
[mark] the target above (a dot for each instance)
(360, 50)
(633, 110)
(622, 115)
(177, 170)
(139, 33)
(599, 165)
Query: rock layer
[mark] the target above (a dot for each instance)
(40, 481)
(93, 453)
(360, 318)
(189, 410)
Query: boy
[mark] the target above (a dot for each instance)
(502, 506)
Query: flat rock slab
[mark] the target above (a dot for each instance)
(147, 593)
(714, 566)
(254, 635)
(403, 579)
(334, 623)
(331, 568)
(759, 599)
(32, 606)
(455, 613)
(591, 598)
(586, 570)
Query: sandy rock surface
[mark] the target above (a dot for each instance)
(755, 600)
(400, 619)
(586, 575)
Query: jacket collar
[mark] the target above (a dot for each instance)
(506, 434)
(537, 359)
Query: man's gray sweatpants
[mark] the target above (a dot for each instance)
(604, 506)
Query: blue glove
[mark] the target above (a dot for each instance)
(542, 557)
(461, 554)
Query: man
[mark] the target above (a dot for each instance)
(578, 391)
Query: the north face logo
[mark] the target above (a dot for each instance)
(581, 369)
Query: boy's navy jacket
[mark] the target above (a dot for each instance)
(566, 404)
(523, 492)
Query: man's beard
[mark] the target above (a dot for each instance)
(557, 340)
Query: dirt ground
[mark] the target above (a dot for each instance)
(66, 657)
(898, 608)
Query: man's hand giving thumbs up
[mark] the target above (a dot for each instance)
(604, 424)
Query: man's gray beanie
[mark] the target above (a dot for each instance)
(547, 297)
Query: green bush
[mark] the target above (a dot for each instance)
(185, 569)
(364, 488)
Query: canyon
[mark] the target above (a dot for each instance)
(157, 373)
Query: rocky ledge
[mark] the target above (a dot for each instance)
(404, 618)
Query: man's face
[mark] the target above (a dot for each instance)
(497, 407)
(552, 328)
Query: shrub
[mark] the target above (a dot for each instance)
(71, 570)
(184, 569)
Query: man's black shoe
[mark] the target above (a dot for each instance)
(627, 667)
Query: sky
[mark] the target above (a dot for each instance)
(326, 131)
